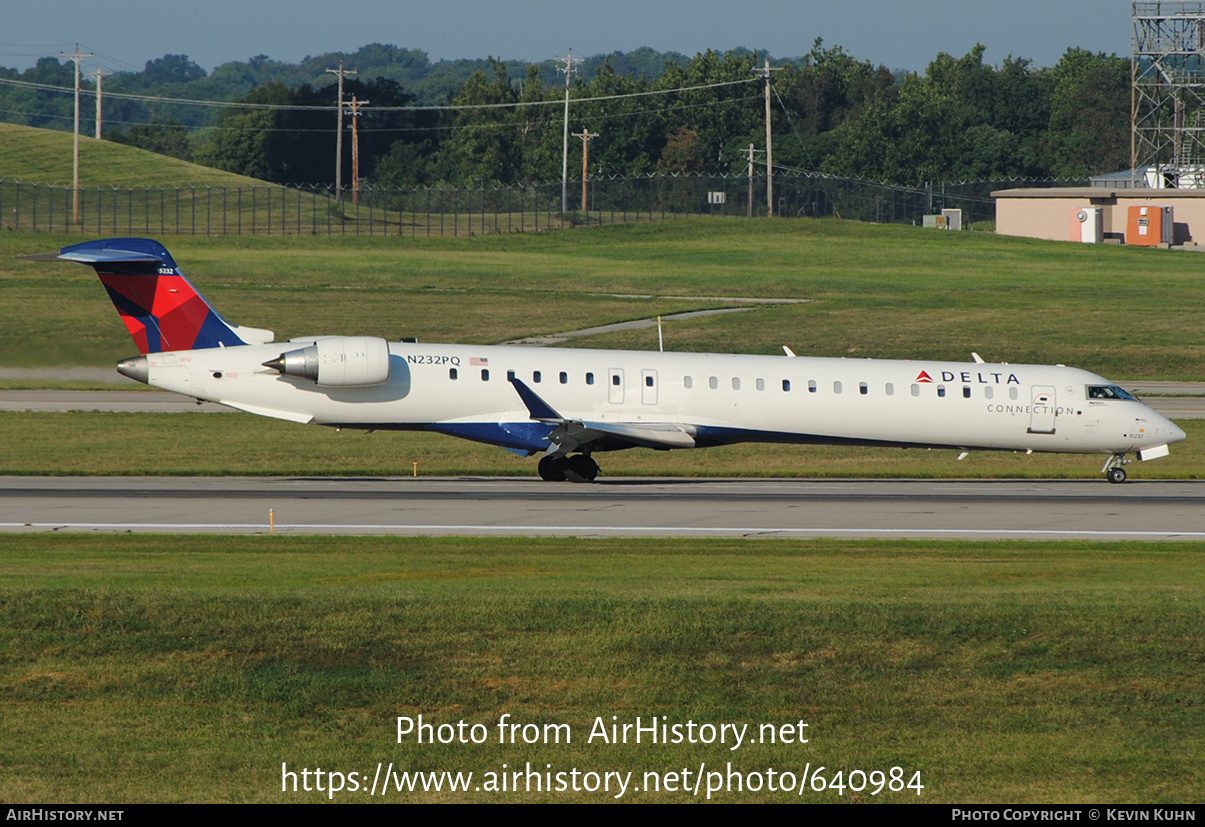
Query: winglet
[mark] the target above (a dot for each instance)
(537, 407)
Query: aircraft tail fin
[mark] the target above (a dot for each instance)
(160, 307)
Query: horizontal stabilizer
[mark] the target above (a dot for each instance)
(108, 257)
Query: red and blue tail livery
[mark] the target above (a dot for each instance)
(160, 307)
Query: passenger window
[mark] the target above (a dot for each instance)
(1012, 394)
(836, 387)
(786, 385)
(941, 390)
(535, 376)
(564, 378)
(761, 384)
(615, 379)
(915, 390)
(452, 373)
(811, 386)
(736, 384)
(485, 374)
(889, 389)
(863, 388)
(589, 378)
(966, 392)
(648, 381)
(987, 393)
(712, 382)
(510, 374)
(688, 382)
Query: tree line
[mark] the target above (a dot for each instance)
(960, 119)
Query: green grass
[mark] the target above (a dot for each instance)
(96, 443)
(43, 156)
(872, 291)
(189, 668)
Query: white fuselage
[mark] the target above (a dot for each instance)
(464, 390)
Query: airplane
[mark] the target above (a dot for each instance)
(570, 404)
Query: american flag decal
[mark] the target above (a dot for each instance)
(477, 361)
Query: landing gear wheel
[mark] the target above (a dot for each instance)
(552, 469)
(1114, 469)
(581, 468)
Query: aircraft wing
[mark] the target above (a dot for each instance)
(576, 434)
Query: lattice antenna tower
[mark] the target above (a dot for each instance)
(1167, 109)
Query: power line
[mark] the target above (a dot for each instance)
(424, 108)
(587, 119)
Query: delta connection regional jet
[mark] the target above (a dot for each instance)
(570, 404)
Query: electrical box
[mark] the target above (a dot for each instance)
(1087, 225)
(953, 219)
(1149, 226)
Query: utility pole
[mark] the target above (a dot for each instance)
(585, 135)
(339, 134)
(769, 142)
(568, 70)
(99, 74)
(750, 199)
(354, 109)
(77, 57)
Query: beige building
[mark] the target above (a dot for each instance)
(1052, 213)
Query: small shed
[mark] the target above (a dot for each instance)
(1051, 213)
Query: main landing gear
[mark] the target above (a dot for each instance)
(1113, 470)
(579, 468)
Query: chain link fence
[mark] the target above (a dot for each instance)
(485, 209)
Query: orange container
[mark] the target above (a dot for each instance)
(1149, 226)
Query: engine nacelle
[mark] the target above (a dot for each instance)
(338, 362)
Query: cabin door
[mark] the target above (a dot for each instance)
(615, 386)
(648, 387)
(1041, 412)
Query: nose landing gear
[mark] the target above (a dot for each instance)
(1113, 470)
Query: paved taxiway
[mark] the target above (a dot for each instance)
(962, 509)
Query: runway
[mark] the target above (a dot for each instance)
(958, 509)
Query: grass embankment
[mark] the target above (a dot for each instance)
(129, 191)
(43, 156)
(871, 291)
(190, 668)
(244, 445)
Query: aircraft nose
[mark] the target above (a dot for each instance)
(1175, 433)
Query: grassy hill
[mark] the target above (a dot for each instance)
(43, 156)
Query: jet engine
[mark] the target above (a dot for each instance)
(337, 362)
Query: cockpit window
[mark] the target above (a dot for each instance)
(1107, 392)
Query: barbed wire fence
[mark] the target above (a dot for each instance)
(486, 208)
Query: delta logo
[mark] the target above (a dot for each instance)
(923, 376)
